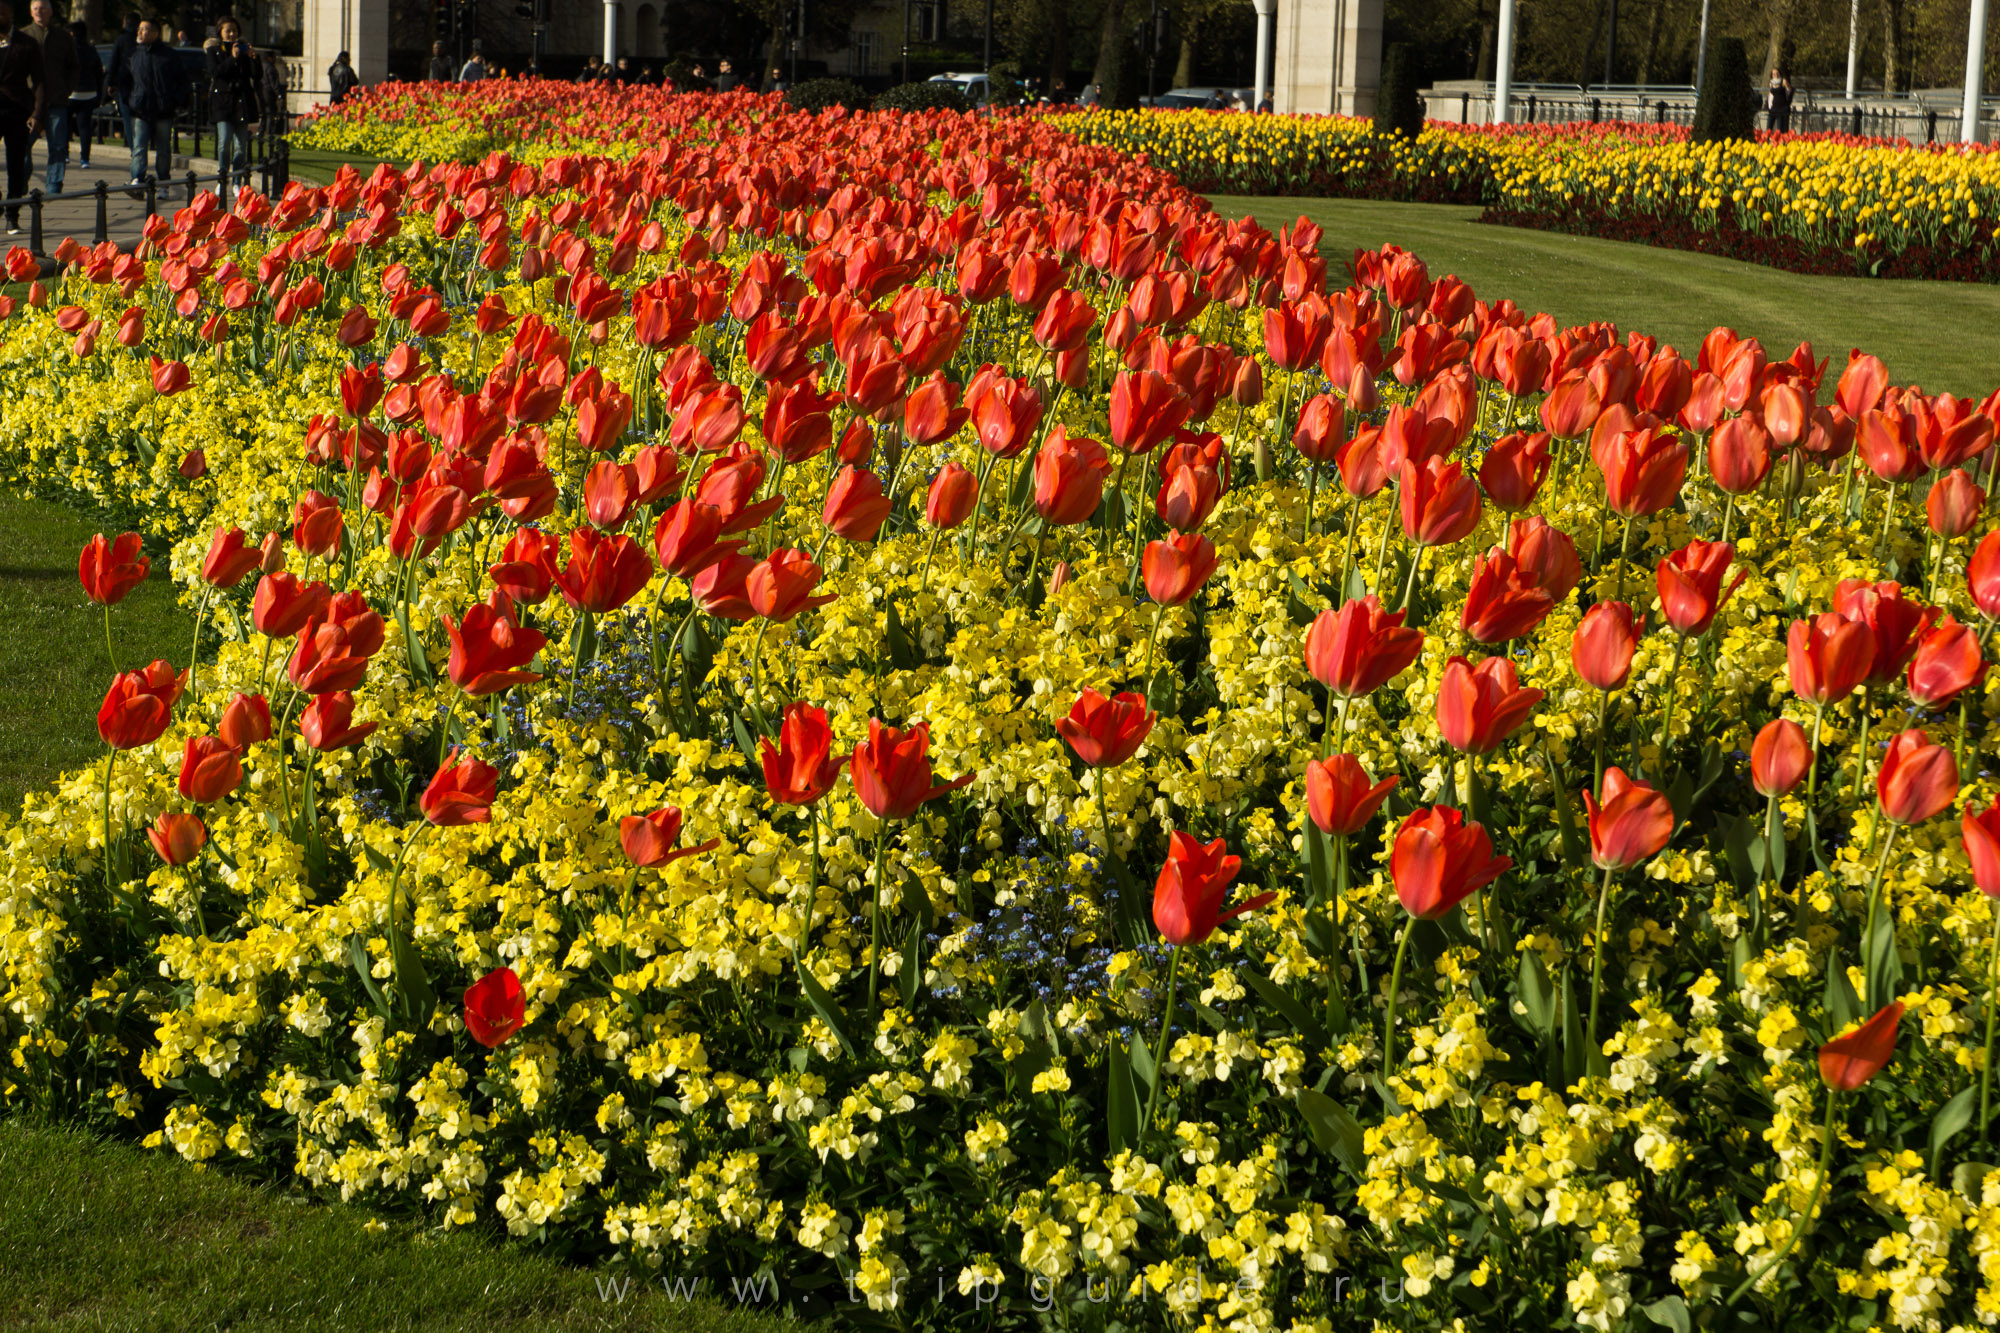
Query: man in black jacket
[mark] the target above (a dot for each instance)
(119, 76)
(23, 93)
(59, 67)
(159, 88)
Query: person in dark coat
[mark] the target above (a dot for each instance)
(725, 77)
(276, 96)
(88, 94)
(341, 80)
(59, 67)
(118, 78)
(23, 98)
(441, 69)
(159, 88)
(234, 95)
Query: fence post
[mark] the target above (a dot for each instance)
(1464, 108)
(103, 212)
(1930, 127)
(152, 195)
(284, 164)
(194, 183)
(1531, 108)
(34, 222)
(1857, 121)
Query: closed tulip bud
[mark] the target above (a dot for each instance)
(246, 720)
(1849, 1061)
(1515, 467)
(1948, 661)
(1981, 835)
(271, 554)
(178, 838)
(1059, 577)
(495, 1007)
(1478, 708)
(856, 505)
(1188, 896)
(1546, 554)
(210, 769)
(1439, 860)
(1779, 757)
(1340, 795)
(193, 465)
(1176, 567)
(1828, 656)
(1602, 647)
(1106, 732)
(1246, 384)
(1321, 429)
(1690, 585)
(1629, 824)
(1362, 472)
(1954, 504)
(1440, 504)
(952, 494)
(1917, 779)
(1739, 455)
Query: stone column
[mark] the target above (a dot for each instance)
(1266, 11)
(610, 31)
(1329, 57)
(1975, 62)
(358, 27)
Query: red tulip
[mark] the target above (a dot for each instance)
(230, 558)
(802, 767)
(1321, 430)
(169, 377)
(952, 494)
(687, 539)
(1889, 444)
(1954, 504)
(1546, 554)
(1847, 1062)
(327, 723)
(1690, 584)
(649, 839)
(1981, 834)
(1602, 647)
(932, 412)
(1362, 473)
(1440, 504)
(1862, 384)
(1643, 471)
(246, 719)
(1631, 823)
(1146, 408)
(488, 649)
(1505, 600)
(1917, 779)
(1439, 860)
(1478, 708)
(139, 705)
(1188, 896)
(1828, 656)
(892, 770)
(495, 1008)
(1897, 622)
(1176, 567)
(210, 769)
(334, 649)
(1779, 757)
(1515, 467)
(178, 838)
(108, 570)
(1982, 575)
(1356, 650)
(1188, 496)
(856, 505)
(1106, 732)
(1571, 407)
(460, 793)
(780, 585)
(1340, 796)
(1739, 455)
(603, 572)
(527, 569)
(1069, 478)
(608, 493)
(1947, 662)
(282, 605)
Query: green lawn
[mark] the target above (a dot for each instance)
(53, 663)
(106, 1236)
(1937, 334)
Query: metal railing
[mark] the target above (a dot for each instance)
(274, 170)
(1557, 104)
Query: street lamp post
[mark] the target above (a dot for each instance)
(1853, 47)
(1701, 50)
(1266, 11)
(1975, 62)
(1503, 63)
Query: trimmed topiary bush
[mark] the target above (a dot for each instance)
(1398, 109)
(1726, 107)
(925, 96)
(819, 94)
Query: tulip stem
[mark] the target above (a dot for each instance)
(1624, 552)
(1603, 712)
(924, 579)
(194, 652)
(1992, 993)
(1410, 585)
(875, 920)
(1728, 515)
(1381, 558)
(978, 498)
(1667, 716)
(1812, 768)
(1347, 552)
(1812, 1203)
(1389, 1016)
(1160, 1051)
(1152, 641)
(625, 919)
(1312, 495)
(1888, 518)
(1597, 962)
(812, 888)
(109, 653)
(1875, 888)
(1861, 750)
(110, 884)
(444, 728)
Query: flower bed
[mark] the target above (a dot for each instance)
(812, 706)
(1824, 203)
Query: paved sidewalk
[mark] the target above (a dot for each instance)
(75, 212)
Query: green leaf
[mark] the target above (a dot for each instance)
(583, 641)
(357, 954)
(744, 741)
(1302, 604)
(1282, 1000)
(1885, 964)
(413, 984)
(1141, 1057)
(1669, 1312)
(1121, 1100)
(1843, 1006)
(910, 975)
(1535, 993)
(1163, 692)
(697, 651)
(1357, 584)
(420, 661)
(1774, 842)
(1736, 846)
(1318, 866)
(1574, 851)
(1969, 1178)
(1575, 1057)
(1334, 1130)
(381, 860)
(902, 656)
(1953, 1117)
(827, 1008)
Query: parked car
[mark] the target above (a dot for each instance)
(1197, 99)
(977, 88)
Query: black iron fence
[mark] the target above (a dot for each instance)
(1547, 105)
(272, 171)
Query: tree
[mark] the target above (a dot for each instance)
(1726, 107)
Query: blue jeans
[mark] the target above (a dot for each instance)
(232, 145)
(58, 164)
(157, 134)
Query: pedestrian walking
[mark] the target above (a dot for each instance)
(440, 64)
(87, 96)
(474, 69)
(159, 89)
(341, 80)
(23, 92)
(234, 95)
(59, 68)
(1778, 103)
(119, 76)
